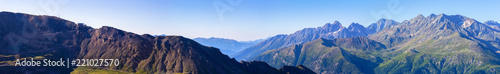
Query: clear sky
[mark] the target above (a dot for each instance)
(243, 19)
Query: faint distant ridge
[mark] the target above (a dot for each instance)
(492, 24)
(254, 41)
(227, 46)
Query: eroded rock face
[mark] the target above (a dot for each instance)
(434, 44)
(53, 38)
(27, 34)
(164, 54)
(328, 31)
(439, 44)
(341, 55)
(45, 37)
(111, 43)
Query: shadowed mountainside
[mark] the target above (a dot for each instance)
(48, 37)
(341, 55)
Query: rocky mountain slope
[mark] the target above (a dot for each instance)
(493, 24)
(48, 37)
(328, 31)
(38, 37)
(381, 24)
(434, 44)
(340, 55)
(440, 44)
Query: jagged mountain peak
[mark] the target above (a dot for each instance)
(433, 23)
(356, 26)
(380, 24)
(432, 16)
(383, 20)
(452, 18)
(441, 17)
(491, 22)
(433, 44)
(419, 16)
(454, 22)
(334, 24)
(452, 33)
(328, 31)
(441, 21)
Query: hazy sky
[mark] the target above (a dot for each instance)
(243, 19)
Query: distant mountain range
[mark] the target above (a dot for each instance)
(492, 24)
(328, 31)
(434, 44)
(448, 44)
(226, 46)
(48, 37)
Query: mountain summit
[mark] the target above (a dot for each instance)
(440, 44)
(380, 24)
(433, 44)
(328, 31)
(48, 37)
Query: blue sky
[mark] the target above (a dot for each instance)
(243, 19)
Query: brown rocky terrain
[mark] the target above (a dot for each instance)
(48, 37)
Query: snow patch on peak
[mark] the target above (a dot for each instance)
(467, 23)
(333, 33)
